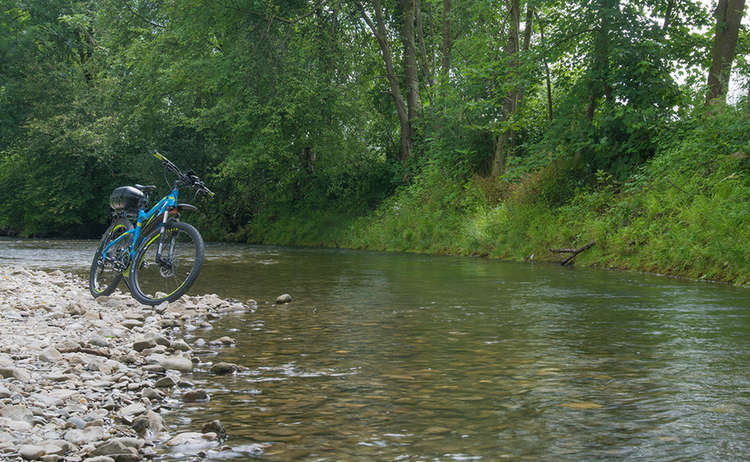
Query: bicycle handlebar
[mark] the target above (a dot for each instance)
(189, 179)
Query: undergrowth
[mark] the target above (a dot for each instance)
(685, 212)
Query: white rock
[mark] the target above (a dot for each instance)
(194, 441)
(85, 436)
(50, 355)
(31, 452)
(177, 363)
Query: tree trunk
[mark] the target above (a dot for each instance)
(529, 27)
(511, 99)
(411, 79)
(378, 30)
(668, 15)
(423, 48)
(447, 42)
(599, 85)
(547, 71)
(728, 17)
(527, 32)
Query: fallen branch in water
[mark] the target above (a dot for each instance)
(574, 252)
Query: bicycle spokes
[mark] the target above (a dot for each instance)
(162, 274)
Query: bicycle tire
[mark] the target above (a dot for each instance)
(103, 277)
(152, 282)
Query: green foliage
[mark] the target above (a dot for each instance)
(283, 107)
(684, 212)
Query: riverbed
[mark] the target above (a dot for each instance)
(423, 358)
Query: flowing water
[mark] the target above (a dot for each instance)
(420, 358)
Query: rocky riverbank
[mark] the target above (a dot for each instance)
(85, 380)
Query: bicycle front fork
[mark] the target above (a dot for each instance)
(160, 248)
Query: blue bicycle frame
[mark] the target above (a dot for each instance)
(167, 203)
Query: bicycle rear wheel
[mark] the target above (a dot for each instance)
(106, 272)
(165, 278)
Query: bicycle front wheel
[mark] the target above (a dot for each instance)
(166, 264)
(106, 270)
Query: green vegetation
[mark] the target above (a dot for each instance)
(685, 212)
(475, 128)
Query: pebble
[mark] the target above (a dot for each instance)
(83, 379)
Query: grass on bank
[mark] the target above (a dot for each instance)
(685, 212)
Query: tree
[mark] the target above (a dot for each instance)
(510, 102)
(728, 18)
(408, 111)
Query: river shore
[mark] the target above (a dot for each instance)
(86, 380)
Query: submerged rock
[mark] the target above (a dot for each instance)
(195, 395)
(224, 368)
(191, 442)
(215, 426)
(283, 298)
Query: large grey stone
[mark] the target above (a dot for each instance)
(50, 355)
(132, 410)
(161, 340)
(85, 436)
(22, 375)
(180, 345)
(17, 412)
(165, 382)
(224, 368)
(150, 393)
(177, 363)
(58, 447)
(117, 446)
(143, 344)
(31, 452)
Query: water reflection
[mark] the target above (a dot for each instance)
(418, 358)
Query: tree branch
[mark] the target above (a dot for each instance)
(574, 252)
(300, 18)
(143, 18)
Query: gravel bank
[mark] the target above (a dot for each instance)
(84, 379)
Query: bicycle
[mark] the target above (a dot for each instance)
(161, 256)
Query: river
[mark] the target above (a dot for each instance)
(421, 358)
